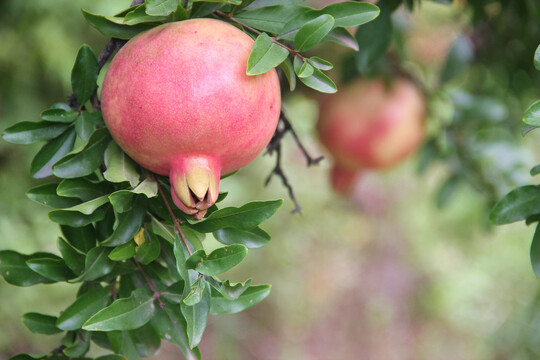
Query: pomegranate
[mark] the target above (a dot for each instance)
(178, 101)
(370, 125)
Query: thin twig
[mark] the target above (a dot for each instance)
(229, 16)
(113, 290)
(150, 283)
(284, 127)
(176, 221)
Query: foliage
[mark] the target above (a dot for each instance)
(141, 267)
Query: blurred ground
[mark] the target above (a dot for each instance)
(383, 275)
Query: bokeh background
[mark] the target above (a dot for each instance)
(383, 274)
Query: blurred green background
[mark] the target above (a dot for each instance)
(385, 274)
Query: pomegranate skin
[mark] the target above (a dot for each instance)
(178, 101)
(367, 125)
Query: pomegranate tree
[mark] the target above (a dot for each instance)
(178, 101)
(370, 125)
(188, 98)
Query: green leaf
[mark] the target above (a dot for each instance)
(28, 132)
(82, 238)
(97, 264)
(76, 218)
(86, 306)
(302, 68)
(56, 115)
(85, 126)
(342, 37)
(112, 27)
(50, 153)
(460, 56)
(86, 208)
(537, 58)
(84, 75)
(111, 357)
(288, 70)
(195, 293)
(148, 251)
(123, 314)
(87, 160)
(373, 40)
(40, 324)
(180, 256)
(265, 55)
(73, 257)
(28, 357)
(128, 225)
(517, 205)
(196, 317)
(221, 305)
(231, 291)
(532, 114)
(348, 14)
(138, 15)
(46, 194)
(161, 7)
(122, 200)
(120, 167)
(219, 261)
(14, 270)
(171, 325)
(271, 18)
(244, 218)
(54, 269)
(252, 239)
(321, 64)
(146, 340)
(320, 82)
(81, 188)
(535, 170)
(313, 32)
(76, 344)
(123, 252)
(535, 251)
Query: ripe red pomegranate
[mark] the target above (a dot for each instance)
(178, 101)
(370, 125)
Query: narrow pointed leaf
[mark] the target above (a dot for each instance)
(219, 261)
(245, 217)
(320, 82)
(197, 317)
(537, 58)
(250, 297)
(97, 264)
(124, 314)
(54, 269)
(59, 115)
(87, 160)
(532, 114)
(265, 55)
(313, 32)
(73, 257)
(46, 194)
(50, 153)
(28, 132)
(15, 271)
(41, 324)
(84, 75)
(342, 37)
(86, 305)
(518, 204)
(120, 167)
(161, 7)
(111, 28)
(128, 225)
(81, 188)
(252, 239)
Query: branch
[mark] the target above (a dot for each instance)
(176, 221)
(275, 146)
(150, 283)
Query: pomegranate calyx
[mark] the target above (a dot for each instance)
(195, 185)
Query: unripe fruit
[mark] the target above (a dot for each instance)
(178, 101)
(370, 125)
